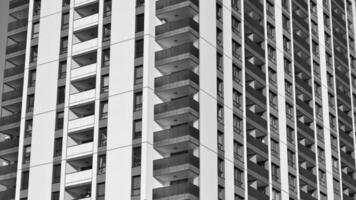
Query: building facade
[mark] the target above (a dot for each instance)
(177, 99)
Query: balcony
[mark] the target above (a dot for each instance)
(176, 85)
(305, 129)
(185, 56)
(349, 181)
(22, 23)
(78, 178)
(305, 107)
(178, 191)
(85, 46)
(256, 120)
(82, 97)
(178, 111)
(173, 10)
(8, 169)
(306, 196)
(12, 94)
(345, 118)
(306, 152)
(7, 120)
(347, 158)
(254, 25)
(308, 175)
(255, 72)
(254, 194)
(86, 21)
(256, 96)
(80, 150)
(9, 144)
(177, 33)
(257, 171)
(16, 47)
(176, 167)
(254, 142)
(13, 71)
(81, 123)
(78, 192)
(253, 47)
(78, 3)
(8, 194)
(176, 139)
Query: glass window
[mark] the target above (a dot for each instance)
(136, 185)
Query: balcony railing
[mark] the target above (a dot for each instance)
(176, 104)
(10, 143)
(179, 189)
(13, 71)
(12, 94)
(170, 26)
(176, 132)
(175, 161)
(7, 194)
(8, 169)
(178, 50)
(164, 3)
(10, 119)
(17, 24)
(176, 77)
(16, 47)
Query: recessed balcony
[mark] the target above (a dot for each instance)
(178, 111)
(8, 169)
(254, 194)
(185, 56)
(84, 65)
(257, 171)
(9, 144)
(86, 16)
(81, 116)
(178, 191)
(78, 3)
(78, 192)
(306, 152)
(179, 138)
(21, 23)
(176, 167)
(82, 90)
(177, 32)
(79, 171)
(176, 85)
(173, 10)
(80, 150)
(307, 174)
(8, 194)
(14, 94)
(85, 46)
(10, 119)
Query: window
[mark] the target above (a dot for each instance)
(274, 122)
(276, 195)
(235, 4)
(100, 191)
(107, 8)
(236, 25)
(138, 101)
(275, 173)
(65, 21)
(32, 78)
(286, 45)
(56, 174)
(273, 99)
(139, 48)
(292, 183)
(30, 102)
(271, 54)
(220, 141)
(138, 74)
(291, 158)
(221, 193)
(237, 99)
(290, 135)
(101, 164)
(219, 12)
(28, 128)
(335, 165)
(332, 121)
(59, 120)
(35, 30)
(271, 31)
(219, 37)
(105, 83)
(24, 180)
(136, 186)
(238, 151)
(34, 54)
(275, 147)
(288, 88)
(64, 45)
(66, 3)
(106, 32)
(270, 9)
(27, 154)
(61, 94)
(220, 114)
(287, 67)
(136, 157)
(219, 62)
(289, 111)
(236, 48)
(238, 177)
(102, 137)
(140, 22)
(322, 177)
(272, 76)
(36, 8)
(286, 23)
(137, 132)
(62, 69)
(55, 196)
(140, 3)
(57, 147)
(105, 58)
(237, 124)
(236, 73)
(220, 88)
(104, 110)
(221, 167)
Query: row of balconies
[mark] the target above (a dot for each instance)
(179, 110)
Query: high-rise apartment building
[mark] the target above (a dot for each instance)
(177, 100)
